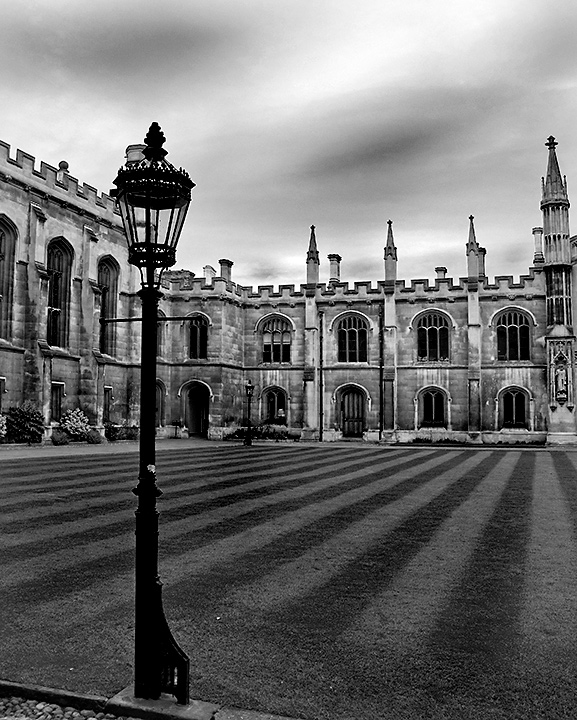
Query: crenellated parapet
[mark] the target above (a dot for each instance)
(55, 184)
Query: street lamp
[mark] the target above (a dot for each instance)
(153, 198)
(249, 388)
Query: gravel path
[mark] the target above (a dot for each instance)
(16, 708)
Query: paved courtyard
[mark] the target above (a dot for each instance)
(331, 582)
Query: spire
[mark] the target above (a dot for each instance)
(390, 249)
(313, 253)
(472, 244)
(313, 262)
(390, 258)
(554, 186)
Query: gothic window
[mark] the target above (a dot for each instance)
(160, 334)
(108, 282)
(59, 265)
(160, 395)
(198, 346)
(276, 341)
(514, 409)
(7, 247)
(107, 406)
(432, 408)
(275, 406)
(513, 336)
(433, 337)
(56, 397)
(352, 339)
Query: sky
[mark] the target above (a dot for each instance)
(288, 113)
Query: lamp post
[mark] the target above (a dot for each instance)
(153, 199)
(249, 388)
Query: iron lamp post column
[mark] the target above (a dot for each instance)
(249, 388)
(153, 198)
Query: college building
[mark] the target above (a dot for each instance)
(464, 360)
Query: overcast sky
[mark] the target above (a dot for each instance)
(287, 113)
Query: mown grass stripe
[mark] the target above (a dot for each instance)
(400, 617)
(477, 634)
(372, 554)
(103, 536)
(41, 514)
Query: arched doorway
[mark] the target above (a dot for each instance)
(352, 412)
(196, 409)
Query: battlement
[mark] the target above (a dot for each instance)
(54, 182)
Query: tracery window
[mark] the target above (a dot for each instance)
(108, 282)
(514, 408)
(433, 408)
(198, 345)
(352, 339)
(275, 406)
(7, 248)
(59, 265)
(433, 337)
(513, 336)
(276, 341)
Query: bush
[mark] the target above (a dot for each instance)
(2, 427)
(93, 437)
(120, 432)
(75, 424)
(59, 437)
(24, 424)
(261, 432)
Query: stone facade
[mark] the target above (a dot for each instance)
(467, 360)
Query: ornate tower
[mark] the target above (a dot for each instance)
(558, 269)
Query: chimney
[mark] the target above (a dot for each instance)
(209, 273)
(538, 258)
(441, 272)
(225, 269)
(335, 268)
(134, 154)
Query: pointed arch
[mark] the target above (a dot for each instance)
(8, 239)
(59, 259)
(108, 282)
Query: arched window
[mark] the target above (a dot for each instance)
(198, 346)
(352, 338)
(275, 406)
(276, 341)
(433, 337)
(108, 283)
(432, 408)
(59, 267)
(514, 408)
(513, 336)
(160, 396)
(160, 334)
(7, 249)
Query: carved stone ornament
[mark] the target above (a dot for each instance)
(561, 373)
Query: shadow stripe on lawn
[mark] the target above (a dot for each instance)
(77, 509)
(332, 608)
(108, 530)
(85, 574)
(567, 476)
(291, 545)
(473, 644)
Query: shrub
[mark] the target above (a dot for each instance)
(24, 424)
(2, 427)
(75, 424)
(120, 432)
(59, 437)
(93, 437)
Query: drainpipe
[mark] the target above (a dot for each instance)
(381, 371)
(321, 378)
